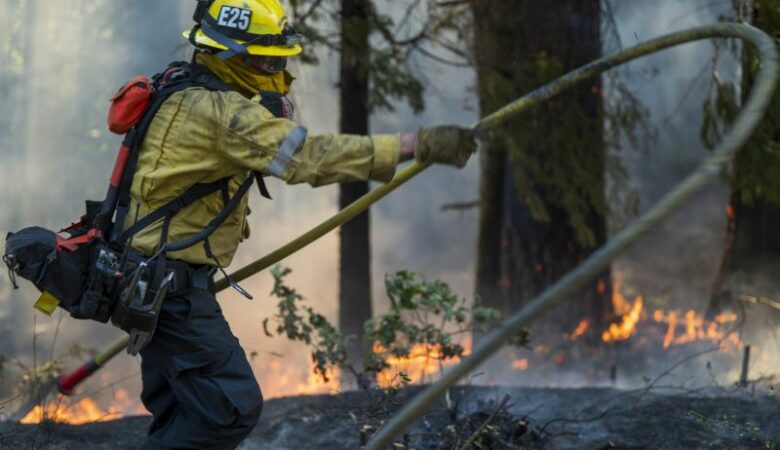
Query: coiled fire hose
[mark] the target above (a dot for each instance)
(744, 125)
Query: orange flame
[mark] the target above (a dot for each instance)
(85, 410)
(627, 325)
(582, 327)
(314, 384)
(520, 364)
(619, 303)
(601, 287)
(682, 329)
(291, 380)
(423, 363)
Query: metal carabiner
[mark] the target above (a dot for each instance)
(10, 261)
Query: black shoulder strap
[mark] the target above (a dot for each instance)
(189, 197)
(177, 77)
(193, 194)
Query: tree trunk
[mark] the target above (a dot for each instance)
(543, 205)
(355, 251)
(751, 256)
(493, 20)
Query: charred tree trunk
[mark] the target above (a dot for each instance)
(543, 205)
(355, 250)
(494, 23)
(751, 256)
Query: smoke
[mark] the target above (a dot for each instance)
(673, 267)
(61, 62)
(678, 261)
(65, 60)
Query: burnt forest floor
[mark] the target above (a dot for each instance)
(476, 418)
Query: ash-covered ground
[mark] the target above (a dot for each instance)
(533, 418)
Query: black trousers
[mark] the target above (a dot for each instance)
(197, 382)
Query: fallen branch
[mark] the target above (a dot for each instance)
(669, 370)
(760, 300)
(543, 429)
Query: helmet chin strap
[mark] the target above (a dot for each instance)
(233, 47)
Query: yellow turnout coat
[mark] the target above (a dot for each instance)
(200, 136)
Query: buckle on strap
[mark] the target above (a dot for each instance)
(203, 278)
(181, 281)
(181, 275)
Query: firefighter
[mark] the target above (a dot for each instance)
(197, 382)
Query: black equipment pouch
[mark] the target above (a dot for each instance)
(77, 272)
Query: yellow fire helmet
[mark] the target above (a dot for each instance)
(244, 27)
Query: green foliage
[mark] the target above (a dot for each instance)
(755, 174)
(302, 324)
(383, 62)
(557, 154)
(391, 79)
(560, 152)
(718, 112)
(396, 381)
(421, 313)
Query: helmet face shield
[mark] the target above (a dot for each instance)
(267, 64)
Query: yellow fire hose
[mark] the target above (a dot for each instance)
(744, 125)
(749, 117)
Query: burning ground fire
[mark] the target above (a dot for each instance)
(84, 411)
(289, 380)
(681, 327)
(677, 328)
(672, 328)
(425, 362)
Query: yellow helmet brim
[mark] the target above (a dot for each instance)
(264, 50)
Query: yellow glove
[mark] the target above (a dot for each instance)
(447, 144)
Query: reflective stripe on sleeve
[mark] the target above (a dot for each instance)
(292, 142)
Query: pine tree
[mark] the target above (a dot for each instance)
(751, 252)
(542, 188)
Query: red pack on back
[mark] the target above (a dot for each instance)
(129, 104)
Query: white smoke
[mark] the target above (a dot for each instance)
(63, 60)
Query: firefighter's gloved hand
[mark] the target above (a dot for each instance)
(447, 144)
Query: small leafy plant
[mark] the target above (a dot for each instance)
(301, 323)
(425, 319)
